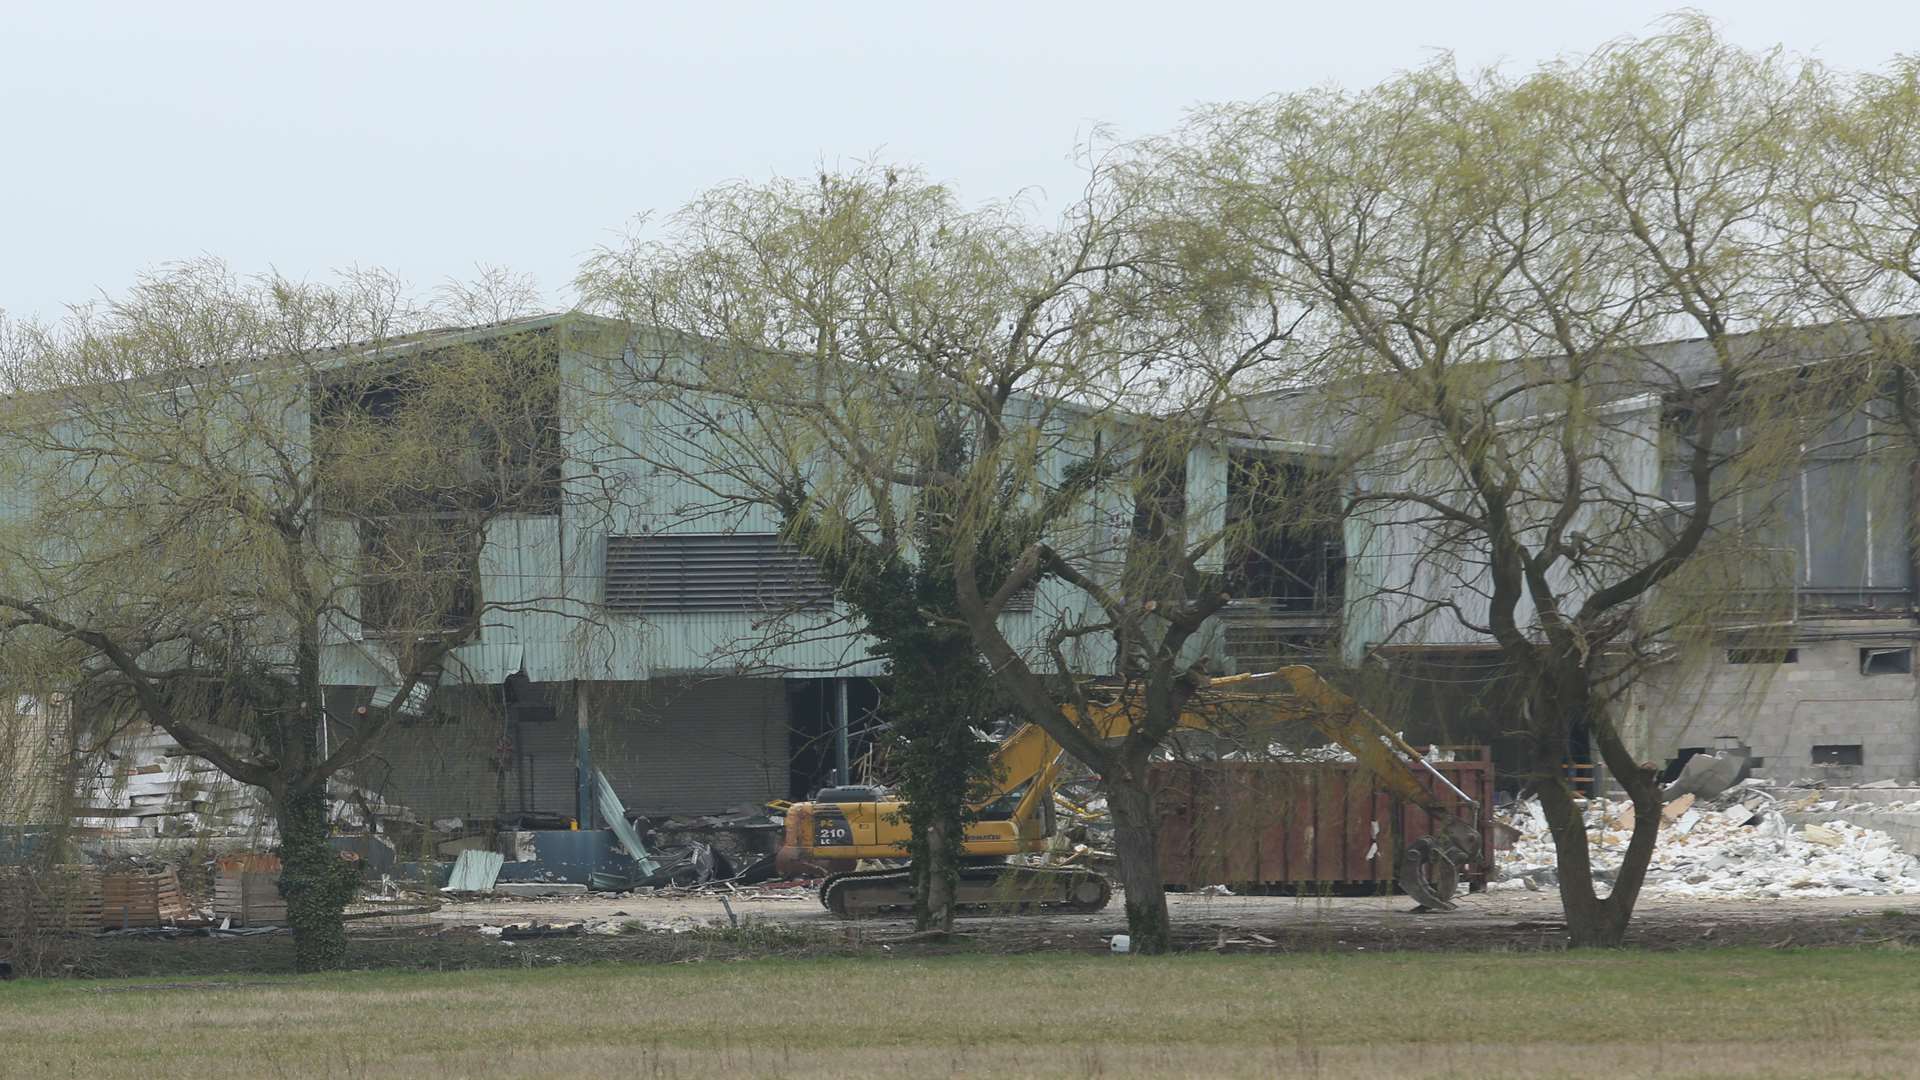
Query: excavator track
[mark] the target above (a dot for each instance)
(983, 890)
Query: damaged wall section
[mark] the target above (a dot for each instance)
(1780, 712)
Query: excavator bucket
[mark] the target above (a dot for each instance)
(1429, 875)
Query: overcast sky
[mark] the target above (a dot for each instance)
(427, 138)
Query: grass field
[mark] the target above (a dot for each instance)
(1735, 1012)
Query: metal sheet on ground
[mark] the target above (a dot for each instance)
(475, 871)
(615, 814)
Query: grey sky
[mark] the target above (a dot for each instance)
(426, 138)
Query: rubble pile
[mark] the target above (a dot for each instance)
(1330, 754)
(356, 809)
(1739, 845)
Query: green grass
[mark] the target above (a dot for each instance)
(1736, 1012)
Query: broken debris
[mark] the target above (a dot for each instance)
(1735, 846)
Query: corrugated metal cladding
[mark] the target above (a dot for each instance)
(691, 747)
(711, 572)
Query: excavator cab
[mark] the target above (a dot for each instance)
(1001, 808)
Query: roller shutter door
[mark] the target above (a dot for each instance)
(693, 748)
(546, 758)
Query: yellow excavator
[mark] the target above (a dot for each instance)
(842, 826)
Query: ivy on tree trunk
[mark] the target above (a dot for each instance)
(939, 691)
(316, 882)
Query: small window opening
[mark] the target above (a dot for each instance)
(1763, 656)
(1839, 754)
(1886, 661)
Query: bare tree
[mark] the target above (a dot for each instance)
(1484, 265)
(1859, 240)
(214, 481)
(905, 377)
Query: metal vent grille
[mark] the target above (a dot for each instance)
(711, 572)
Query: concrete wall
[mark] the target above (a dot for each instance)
(1784, 710)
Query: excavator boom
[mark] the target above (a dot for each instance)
(1430, 865)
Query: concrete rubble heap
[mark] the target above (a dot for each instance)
(1739, 845)
(1328, 754)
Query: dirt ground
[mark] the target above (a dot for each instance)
(1527, 919)
(675, 929)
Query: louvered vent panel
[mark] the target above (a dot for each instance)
(711, 572)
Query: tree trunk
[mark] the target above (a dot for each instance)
(934, 896)
(1136, 841)
(1593, 921)
(315, 881)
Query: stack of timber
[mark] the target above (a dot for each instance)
(52, 899)
(146, 785)
(142, 898)
(246, 889)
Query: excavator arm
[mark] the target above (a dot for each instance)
(1031, 759)
(1430, 865)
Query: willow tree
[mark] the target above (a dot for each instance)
(212, 481)
(1011, 407)
(1485, 265)
(1859, 209)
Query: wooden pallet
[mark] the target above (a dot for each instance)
(56, 899)
(246, 889)
(142, 898)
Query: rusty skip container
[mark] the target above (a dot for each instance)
(1303, 826)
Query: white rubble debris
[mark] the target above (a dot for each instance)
(1742, 847)
(1334, 753)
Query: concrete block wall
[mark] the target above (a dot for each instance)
(1782, 711)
